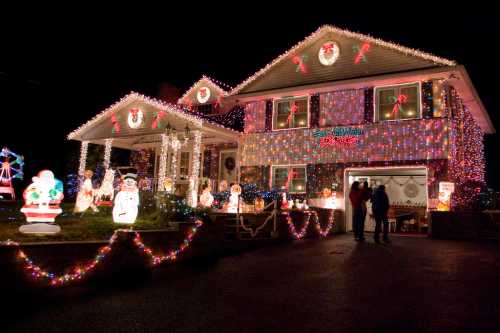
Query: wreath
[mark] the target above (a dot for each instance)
(229, 163)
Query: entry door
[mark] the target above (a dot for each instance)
(227, 166)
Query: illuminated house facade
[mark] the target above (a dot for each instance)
(337, 107)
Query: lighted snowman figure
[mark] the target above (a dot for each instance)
(232, 206)
(127, 201)
(42, 199)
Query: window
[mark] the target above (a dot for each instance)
(292, 178)
(184, 164)
(290, 113)
(398, 102)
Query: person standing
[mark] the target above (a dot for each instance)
(380, 207)
(356, 198)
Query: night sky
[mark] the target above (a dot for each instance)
(58, 71)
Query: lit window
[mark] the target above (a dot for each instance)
(290, 113)
(289, 178)
(398, 102)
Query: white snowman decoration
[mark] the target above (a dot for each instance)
(127, 201)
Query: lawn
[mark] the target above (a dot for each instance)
(75, 227)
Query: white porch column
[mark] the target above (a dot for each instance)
(195, 169)
(163, 161)
(175, 151)
(83, 158)
(107, 153)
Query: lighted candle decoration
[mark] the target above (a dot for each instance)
(127, 201)
(41, 204)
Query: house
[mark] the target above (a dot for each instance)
(335, 108)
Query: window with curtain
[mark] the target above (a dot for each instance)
(398, 102)
(290, 178)
(290, 113)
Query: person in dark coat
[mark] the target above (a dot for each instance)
(380, 207)
(356, 198)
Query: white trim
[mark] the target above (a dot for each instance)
(289, 166)
(375, 101)
(277, 100)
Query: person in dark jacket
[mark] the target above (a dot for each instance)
(380, 207)
(356, 198)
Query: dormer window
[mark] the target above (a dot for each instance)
(290, 113)
(398, 102)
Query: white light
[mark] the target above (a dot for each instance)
(127, 201)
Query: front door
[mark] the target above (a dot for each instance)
(227, 166)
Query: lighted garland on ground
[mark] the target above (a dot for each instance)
(77, 273)
(302, 233)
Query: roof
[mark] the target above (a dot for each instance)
(132, 97)
(426, 59)
(217, 85)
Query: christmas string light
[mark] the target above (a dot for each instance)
(302, 232)
(83, 158)
(204, 80)
(108, 144)
(163, 161)
(78, 272)
(345, 33)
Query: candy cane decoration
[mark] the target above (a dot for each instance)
(361, 52)
(289, 178)
(116, 124)
(156, 121)
(398, 102)
(293, 109)
(299, 61)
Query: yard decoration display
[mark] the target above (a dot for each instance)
(106, 192)
(78, 272)
(206, 198)
(42, 199)
(85, 197)
(127, 201)
(11, 168)
(168, 185)
(300, 63)
(444, 196)
(232, 205)
(308, 215)
(328, 53)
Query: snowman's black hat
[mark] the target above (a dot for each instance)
(130, 175)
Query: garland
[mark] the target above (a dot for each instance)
(302, 233)
(77, 272)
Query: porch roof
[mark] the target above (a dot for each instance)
(100, 128)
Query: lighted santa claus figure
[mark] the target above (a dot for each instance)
(127, 201)
(41, 204)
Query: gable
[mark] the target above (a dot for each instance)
(202, 92)
(359, 56)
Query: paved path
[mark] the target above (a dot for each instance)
(334, 285)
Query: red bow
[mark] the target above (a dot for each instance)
(116, 125)
(327, 47)
(203, 92)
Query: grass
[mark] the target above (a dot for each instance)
(74, 227)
